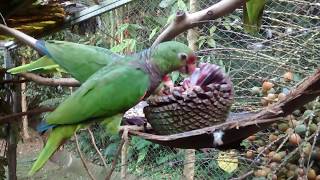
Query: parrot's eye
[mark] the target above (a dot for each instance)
(183, 56)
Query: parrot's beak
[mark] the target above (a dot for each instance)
(190, 66)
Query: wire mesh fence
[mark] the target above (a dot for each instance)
(288, 41)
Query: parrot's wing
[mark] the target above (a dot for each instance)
(108, 92)
(252, 15)
(81, 61)
(41, 65)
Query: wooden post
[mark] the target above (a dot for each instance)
(124, 159)
(24, 107)
(12, 127)
(189, 161)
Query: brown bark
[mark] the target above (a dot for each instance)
(240, 126)
(24, 108)
(185, 21)
(51, 81)
(17, 116)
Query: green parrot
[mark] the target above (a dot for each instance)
(108, 89)
(252, 15)
(111, 91)
(78, 61)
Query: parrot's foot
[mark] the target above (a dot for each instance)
(125, 129)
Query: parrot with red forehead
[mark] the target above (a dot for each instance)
(107, 93)
(113, 90)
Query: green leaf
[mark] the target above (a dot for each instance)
(141, 144)
(175, 76)
(297, 77)
(211, 43)
(118, 48)
(132, 43)
(111, 149)
(153, 32)
(142, 155)
(182, 5)
(227, 26)
(212, 30)
(122, 28)
(166, 3)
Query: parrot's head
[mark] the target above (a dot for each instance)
(171, 56)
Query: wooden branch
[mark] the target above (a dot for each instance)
(82, 158)
(70, 82)
(185, 21)
(93, 141)
(13, 81)
(240, 126)
(15, 116)
(114, 162)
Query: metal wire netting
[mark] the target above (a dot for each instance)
(288, 41)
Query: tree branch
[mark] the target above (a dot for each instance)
(93, 141)
(82, 158)
(115, 159)
(13, 81)
(70, 82)
(241, 125)
(185, 21)
(15, 116)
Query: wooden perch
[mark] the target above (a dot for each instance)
(240, 125)
(70, 82)
(185, 21)
(16, 116)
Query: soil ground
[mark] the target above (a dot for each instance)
(72, 169)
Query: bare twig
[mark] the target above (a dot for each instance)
(124, 159)
(82, 158)
(185, 21)
(244, 176)
(313, 145)
(13, 81)
(268, 147)
(15, 116)
(114, 162)
(51, 81)
(93, 141)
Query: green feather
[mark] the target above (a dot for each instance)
(112, 124)
(107, 93)
(57, 136)
(81, 61)
(41, 65)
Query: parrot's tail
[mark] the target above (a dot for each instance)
(39, 64)
(56, 138)
(20, 69)
(44, 126)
